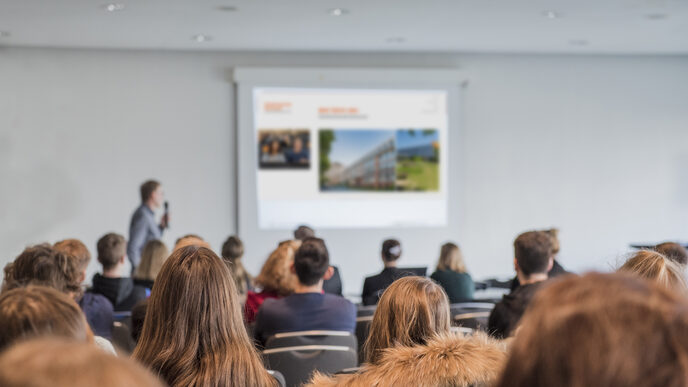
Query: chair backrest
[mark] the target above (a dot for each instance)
(293, 339)
(365, 310)
(473, 320)
(362, 329)
(279, 377)
(121, 336)
(469, 307)
(298, 363)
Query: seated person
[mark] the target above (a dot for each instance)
(533, 252)
(656, 267)
(190, 240)
(557, 269)
(332, 285)
(97, 308)
(674, 252)
(153, 255)
(410, 344)
(375, 285)
(452, 275)
(601, 330)
(275, 279)
(112, 254)
(308, 308)
(232, 252)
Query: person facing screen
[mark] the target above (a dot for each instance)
(452, 274)
(375, 285)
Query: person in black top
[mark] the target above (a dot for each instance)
(333, 285)
(533, 260)
(556, 269)
(375, 285)
(112, 254)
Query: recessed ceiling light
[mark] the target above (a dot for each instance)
(113, 7)
(579, 42)
(551, 14)
(227, 8)
(5, 34)
(396, 39)
(200, 38)
(338, 11)
(656, 16)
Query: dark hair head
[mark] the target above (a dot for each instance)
(148, 188)
(111, 248)
(43, 265)
(391, 250)
(77, 249)
(36, 311)
(311, 261)
(233, 248)
(138, 315)
(673, 251)
(533, 250)
(303, 232)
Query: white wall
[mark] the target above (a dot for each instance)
(592, 144)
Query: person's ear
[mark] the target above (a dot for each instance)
(292, 269)
(516, 265)
(82, 276)
(550, 264)
(329, 273)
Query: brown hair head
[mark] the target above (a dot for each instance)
(391, 250)
(601, 330)
(533, 251)
(232, 251)
(275, 275)
(147, 189)
(56, 362)
(451, 259)
(43, 265)
(303, 232)
(111, 248)
(154, 254)
(76, 249)
(190, 240)
(673, 251)
(193, 333)
(411, 311)
(554, 234)
(36, 311)
(658, 268)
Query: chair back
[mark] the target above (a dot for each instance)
(298, 363)
(278, 377)
(315, 337)
(473, 320)
(365, 310)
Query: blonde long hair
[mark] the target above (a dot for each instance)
(411, 311)
(193, 333)
(451, 259)
(153, 256)
(657, 268)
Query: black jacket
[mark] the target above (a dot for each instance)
(375, 285)
(507, 312)
(334, 284)
(556, 270)
(120, 291)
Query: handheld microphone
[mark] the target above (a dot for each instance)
(167, 210)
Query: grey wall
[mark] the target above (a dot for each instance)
(595, 145)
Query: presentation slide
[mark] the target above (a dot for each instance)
(343, 158)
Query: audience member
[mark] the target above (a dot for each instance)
(275, 279)
(533, 252)
(556, 269)
(333, 285)
(56, 362)
(38, 311)
(97, 308)
(143, 226)
(112, 283)
(601, 330)
(375, 285)
(452, 274)
(410, 344)
(138, 316)
(674, 252)
(153, 256)
(46, 266)
(232, 251)
(308, 308)
(190, 240)
(193, 334)
(658, 268)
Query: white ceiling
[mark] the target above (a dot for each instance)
(587, 26)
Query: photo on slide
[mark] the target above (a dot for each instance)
(284, 149)
(378, 160)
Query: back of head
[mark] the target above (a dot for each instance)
(232, 251)
(391, 250)
(533, 251)
(311, 261)
(601, 330)
(190, 240)
(60, 363)
(303, 232)
(43, 265)
(275, 275)
(554, 235)
(193, 333)
(154, 254)
(656, 267)
(37, 311)
(147, 189)
(451, 259)
(674, 252)
(111, 248)
(411, 311)
(76, 249)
